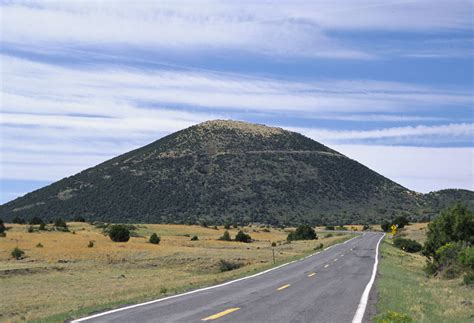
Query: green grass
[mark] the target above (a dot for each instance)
(404, 288)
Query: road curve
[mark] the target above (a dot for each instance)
(326, 287)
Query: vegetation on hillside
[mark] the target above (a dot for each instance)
(229, 172)
(303, 232)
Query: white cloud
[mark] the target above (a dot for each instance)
(300, 28)
(422, 169)
(463, 130)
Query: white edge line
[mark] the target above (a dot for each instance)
(194, 291)
(359, 315)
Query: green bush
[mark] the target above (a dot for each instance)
(31, 229)
(2, 226)
(225, 236)
(225, 265)
(39, 245)
(119, 233)
(366, 227)
(59, 223)
(194, 238)
(36, 220)
(386, 226)
(242, 237)
(341, 228)
(79, 219)
(227, 226)
(303, 232)
(91, 244)
(320, 246)
(18, 220)
(42, 227)
(17, 253)
(400, 221)
(407, 245)
(447, 254)
(154, 239)
(274, 244)
(452, 225)
(469, 278)
(393, 317)
(329, 227)
(466, 257)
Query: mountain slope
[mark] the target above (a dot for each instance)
(223, 171)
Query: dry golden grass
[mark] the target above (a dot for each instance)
(66, 276)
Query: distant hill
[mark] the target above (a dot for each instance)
(229, 171)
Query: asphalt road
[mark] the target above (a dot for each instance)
(326, 287)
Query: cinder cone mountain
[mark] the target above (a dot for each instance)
(229, 172)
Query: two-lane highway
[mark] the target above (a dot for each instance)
(325, 287)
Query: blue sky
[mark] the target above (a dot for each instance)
(388, 83)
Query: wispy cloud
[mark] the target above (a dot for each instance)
(296, 28)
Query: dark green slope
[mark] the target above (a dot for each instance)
(224, 171)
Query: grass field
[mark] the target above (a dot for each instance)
(404, 288)
(65, 278)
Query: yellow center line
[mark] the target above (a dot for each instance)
(283, 287)
(326, 266)
(220, 314)
(311, 275)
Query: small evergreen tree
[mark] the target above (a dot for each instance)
(119, 233)
(242, 237)
(194, 238)
(303, 232)
(35, 221)
(17, 253)
(18, 220)
(2, 227)
(225, 236)
(154, 239)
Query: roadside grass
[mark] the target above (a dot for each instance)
(404, 288)
(66, 278)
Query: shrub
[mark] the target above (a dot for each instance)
(341, 228)
(303, 232)
(394, 317)
(119, 233)
(400, 221)
(274, 244)
(447, 254)
(39, 245)
(227, 226)
(407, 245)
(225, 236)
(203, 223)
(468, 278)
(329, 235)
(452, 225)
(17, 253)
(366, 227)
(154, 239)
(329, 227)
(320, 246)
(79, 219)
(194, 238)
(36, 220)
(242, 237)
(31, 229)
(225, 265)
(18, 220)
(60, 223)
(2, 226)
(42, 227)
(386, 226)
(466, 257)
(91, 244)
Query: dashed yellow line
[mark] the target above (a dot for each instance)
(311, 275)
(283, 287)
(220, 314)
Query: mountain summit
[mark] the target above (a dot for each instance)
(224, 171)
